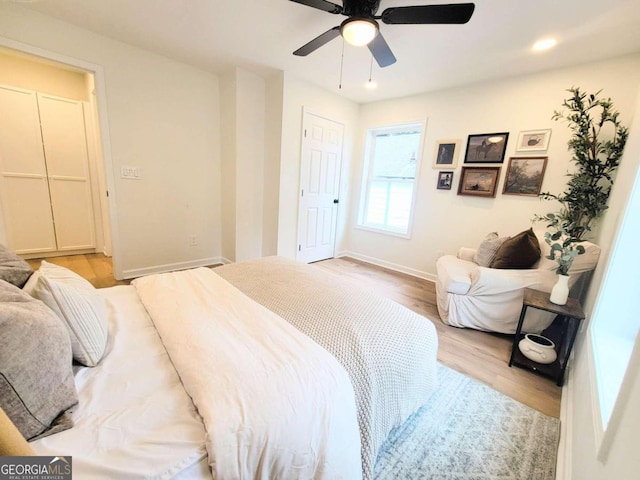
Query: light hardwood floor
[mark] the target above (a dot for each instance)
(480, 355)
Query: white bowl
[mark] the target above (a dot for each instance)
(538, 348)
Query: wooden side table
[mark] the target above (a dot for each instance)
(562, 332)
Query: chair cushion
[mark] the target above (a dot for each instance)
(518, 252)
(36, 377)
(488, 249)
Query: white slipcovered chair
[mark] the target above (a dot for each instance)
(490, 299)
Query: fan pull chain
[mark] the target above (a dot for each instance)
(341, 65)
(371, 68)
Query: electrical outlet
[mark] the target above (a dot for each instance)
(193, 240)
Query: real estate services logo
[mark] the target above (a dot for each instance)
(35, 468)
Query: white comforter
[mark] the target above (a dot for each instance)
(274, 403)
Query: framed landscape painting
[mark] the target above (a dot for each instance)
(524, 176)
(479, 181)
(446, 155)
(486, 148)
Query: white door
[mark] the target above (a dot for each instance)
(319, 187)
(23, 174)
(65, 148)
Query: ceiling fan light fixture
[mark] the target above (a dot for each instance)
(359, 31)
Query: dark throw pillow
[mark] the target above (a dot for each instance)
(518, 252)
(13, 269)
(36, 376)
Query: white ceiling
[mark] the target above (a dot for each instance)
(260, 35)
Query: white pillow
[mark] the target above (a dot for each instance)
(78, 304)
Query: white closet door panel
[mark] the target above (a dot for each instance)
(20, 139)
(72, 211)
(65, 147)
(28, 222)
(65, 143)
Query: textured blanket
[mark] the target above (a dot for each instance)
(388, 350)
(273, 402)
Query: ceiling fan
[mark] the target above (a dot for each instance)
(361, 27)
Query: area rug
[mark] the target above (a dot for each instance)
(467, 430)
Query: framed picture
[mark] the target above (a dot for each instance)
(479, 181)
(486, 148)
(445, 180)
(446, 155)
(533, 140)
(524, 176)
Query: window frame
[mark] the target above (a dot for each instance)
(368, 178)
(608, 406)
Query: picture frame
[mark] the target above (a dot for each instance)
(533, 140)
(486, 148)
(479, 181)
(524, 176)
(445, 180)
(446, 154)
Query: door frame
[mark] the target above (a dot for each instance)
(306, 111)
(103, 127)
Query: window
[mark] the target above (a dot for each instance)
(392, 157)
(615, 323)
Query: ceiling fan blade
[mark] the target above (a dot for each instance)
(381, 52)
(317, 42)
(455, 13)
(321, 5)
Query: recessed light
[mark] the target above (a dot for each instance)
(544, 44)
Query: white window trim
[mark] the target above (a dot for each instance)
(607, 420)
(367, 178)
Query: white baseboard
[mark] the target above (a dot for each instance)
(172, 267)
(564, 459)
(391, 266)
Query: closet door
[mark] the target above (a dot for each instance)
(65, 149)
(23, 174)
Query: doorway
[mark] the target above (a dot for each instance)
(320, 168)
(71, 175)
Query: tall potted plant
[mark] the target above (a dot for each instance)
(597, 141)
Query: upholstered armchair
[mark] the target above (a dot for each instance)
(490, 299)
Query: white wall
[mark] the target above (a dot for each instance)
(445, 221)
(164, 119)
(20, 71)
(250, 150)
(228, 165)
(583, 438)
(299, 94)
(273, 152)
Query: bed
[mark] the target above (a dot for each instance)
(262, 369)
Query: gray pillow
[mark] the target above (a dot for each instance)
(13, 269)
(36, 377)
(488, 249)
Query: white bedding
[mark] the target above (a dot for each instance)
(275, 404)
(134, 419)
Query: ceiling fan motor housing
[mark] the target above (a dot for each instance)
(360, 8)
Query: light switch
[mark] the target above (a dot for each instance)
(130, 173)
